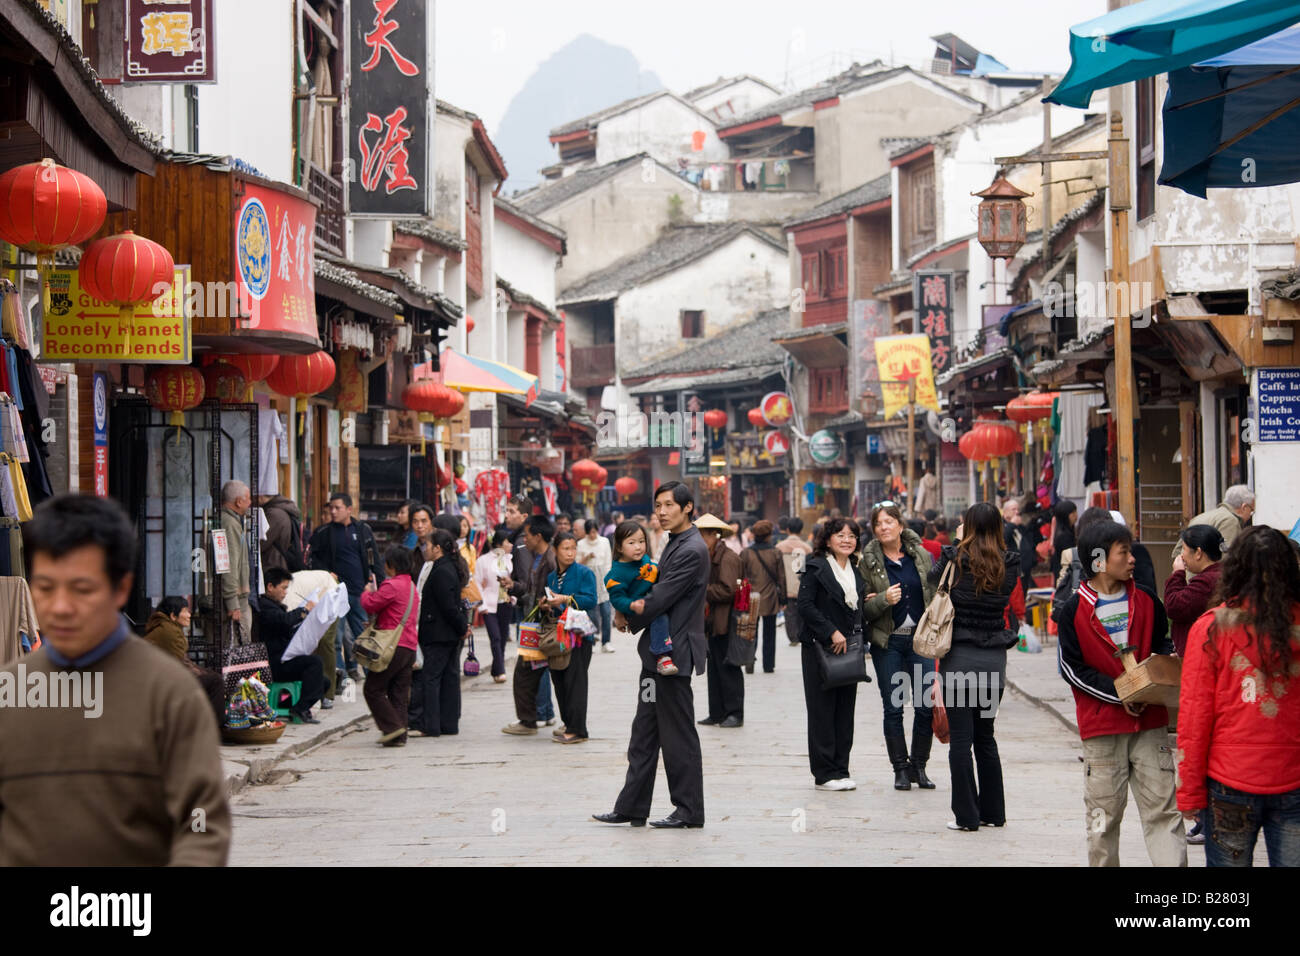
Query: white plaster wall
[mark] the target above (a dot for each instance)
(730, 285)
(515, 338)
(735, 99)
(370, 241)
(1091, 268)
(248, 112)
(451, 133)
(662, 128)
(524, 262)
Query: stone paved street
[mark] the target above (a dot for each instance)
(439, 800)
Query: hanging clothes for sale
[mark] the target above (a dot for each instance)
(551, 496)
(270, 434)
(491, 488)
(1072, 440)
(19, 629)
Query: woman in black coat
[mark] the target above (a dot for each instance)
(974, 671)
(435, 688)
(831, 596)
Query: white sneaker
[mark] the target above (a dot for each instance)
(606, 649)
(848, 784)
(834, 785)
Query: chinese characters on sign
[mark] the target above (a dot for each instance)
(870, 321)
(390, 126)
(932, 295)
(169, 41)
(274, 230)
(902, 358)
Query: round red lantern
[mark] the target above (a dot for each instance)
(1006, 439)
(433, 397)
(966, 445)
(627, 486)
(44, 206)
(715, 418)
(755, 416)
(254, 368)
(175, 389)
(1041, 402)
(125, 270)
(469, 323)
(585, 475)
(1032, 407)
(298, 376)
(602, 476)
(224, 383)
(1018, 410)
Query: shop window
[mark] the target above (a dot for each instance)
(1146, 147)
(692, 323)
(812, 276)
(836, 272)
(828, 390)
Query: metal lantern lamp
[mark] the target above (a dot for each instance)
(1003, 221)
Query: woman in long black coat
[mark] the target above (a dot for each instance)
(831, 597)
(435, 689)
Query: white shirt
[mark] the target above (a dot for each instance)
(598, 556)
(491, 566)
(845, 579)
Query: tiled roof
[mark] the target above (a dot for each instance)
(523, 298)
(551, 194)
(400, 278)
(345, 277)
(591, 119)
(873, 191)
(427, 230)
(678, 247)
(724, 81)
(741, 346)
(854, 78)
(529, 218)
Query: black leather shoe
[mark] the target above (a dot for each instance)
(732, 721)
(709, 722)
(304, 717)
(901, 780)
(618, 818)
(674, 822)
(918, 777)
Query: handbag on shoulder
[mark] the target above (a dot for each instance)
(841, 670)
(375, 648)
(933, 634)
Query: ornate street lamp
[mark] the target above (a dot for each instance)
(1003, 223)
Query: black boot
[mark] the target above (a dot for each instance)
(920, 756)
(896, 747)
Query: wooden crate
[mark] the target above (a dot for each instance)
(1152, 681)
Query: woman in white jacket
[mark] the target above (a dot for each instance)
(493, 565)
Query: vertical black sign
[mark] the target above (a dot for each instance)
(932, 295)
(390, 123)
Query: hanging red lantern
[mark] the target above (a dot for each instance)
(966, 445)
(602, 476)
(433, 397)
(1018, 410)
(715, 418)
(224, 383)
(755, 416)
(125, 270)
(1041, 402)
(585, 475)
(996, 439)
(175, 389)
(1007, 438)
(254, 368)
(627, 486)
(298, 376)
(1032, 407)
(443, 476)
(45, 206)
(469, 323)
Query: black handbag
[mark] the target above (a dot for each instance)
(740, 650)
(841, 670)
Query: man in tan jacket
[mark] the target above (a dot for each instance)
(116, 762)
(235, 502)
(1230, 517)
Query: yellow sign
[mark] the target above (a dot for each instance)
(80, 328)
(901, 358)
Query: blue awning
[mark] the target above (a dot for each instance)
(1157, 36)
(1231, 121)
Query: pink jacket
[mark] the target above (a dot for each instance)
(389, 603)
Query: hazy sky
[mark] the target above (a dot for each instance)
(487, 49)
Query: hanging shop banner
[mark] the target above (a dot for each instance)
(932, 293)
(352, 382)
(81, 328)
(694, 435)
(275, 235)
(170, 41)
(900, 358)
(561, 364)
(390, 114)
(99, 405)
(870, 321)
(777, 409)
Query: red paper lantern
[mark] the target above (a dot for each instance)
(715, 418)
(995, 440)
(433, 397)
(254, 368)
(755, 416)
(586, 476)
(298, 376)
(602, 476)
(966, 445)
(125, 269)
(175, 389)
(469, 323)
(224, 383)
(627, 486)
(1030, 408)
(1042, 402)
(45, 206)
(1019, 411)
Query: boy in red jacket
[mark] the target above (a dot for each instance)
(1123, 744)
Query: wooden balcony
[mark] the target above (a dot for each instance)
(593, 365)
(329, 218)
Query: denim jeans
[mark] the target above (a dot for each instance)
(1234, 818)
(545, 709)
(355, 623)
(898, 667)
(605, 611)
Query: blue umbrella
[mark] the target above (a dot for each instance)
(1232, 122)
(1158, 36)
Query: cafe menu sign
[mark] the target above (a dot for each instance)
(390, 109)
(169, 41)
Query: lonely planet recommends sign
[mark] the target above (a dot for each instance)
(824, 447)
(81, 328)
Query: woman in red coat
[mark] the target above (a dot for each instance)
(1186, 600)
(1239, 707)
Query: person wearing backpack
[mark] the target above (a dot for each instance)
(282, 547)
(765, 568)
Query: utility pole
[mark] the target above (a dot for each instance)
(1124, 400)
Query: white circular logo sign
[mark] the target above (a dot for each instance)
(101, 404)
(825, 446)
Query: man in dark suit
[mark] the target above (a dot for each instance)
(665, 710)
